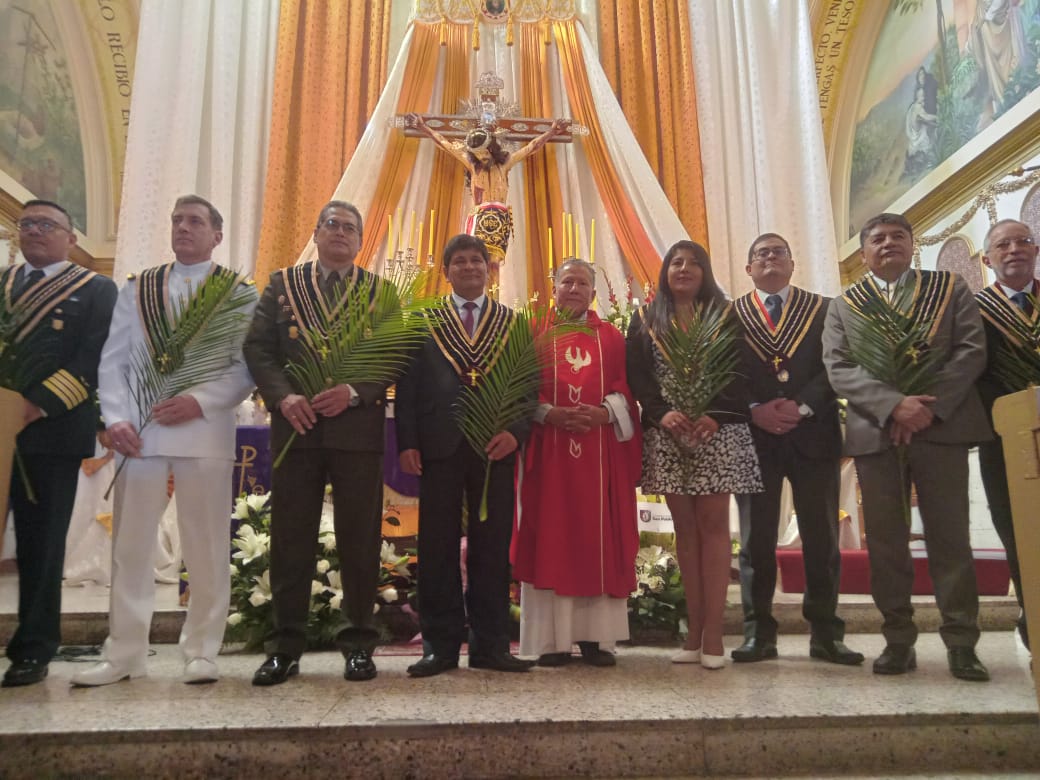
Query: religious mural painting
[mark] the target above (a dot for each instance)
(40, 144)
(942, 72)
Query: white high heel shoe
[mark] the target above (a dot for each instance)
(712, 661)
(687, 657)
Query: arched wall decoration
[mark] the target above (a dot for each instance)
(1030, 214)
(958, 255)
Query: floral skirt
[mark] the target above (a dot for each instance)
(725, 463)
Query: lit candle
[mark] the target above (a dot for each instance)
(411, 233)
(390, 236)
(566, 235)
(550, 251)
(592, 241)
(432, 212)
(418, 245)
(577, 238)
(400, 231)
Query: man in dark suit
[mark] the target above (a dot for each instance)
(897, 438)
(466, 334)
(1009, 316)
(797, 435)
(70, 312)
(340, 440)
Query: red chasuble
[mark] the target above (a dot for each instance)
(578, 533)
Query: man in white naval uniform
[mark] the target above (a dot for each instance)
(192, 437)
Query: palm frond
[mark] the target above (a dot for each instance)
(508, 389)
(893, 348)
(192, 347)
(702, 355)
(1017, 365)
(368, 337)
(23, 355)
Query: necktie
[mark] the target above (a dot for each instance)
(1022, 301)
(468, 320)
(774, 306)
(329, 284)
(28, 280)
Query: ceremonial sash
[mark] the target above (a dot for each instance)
(932, 293)
(471, 357)
(43, 297)
(777, 346)
(1009, 320)
(153, 301)
(310, 307)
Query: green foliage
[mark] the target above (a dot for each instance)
(1017, 366)
(507, 392)
(192, 346)
(702, 354)
(22, 355)
(891, 347)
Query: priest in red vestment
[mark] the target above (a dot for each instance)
(577, 536)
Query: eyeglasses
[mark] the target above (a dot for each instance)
(1006, 243)
(334, 226)
(43, 225)
(779, 252)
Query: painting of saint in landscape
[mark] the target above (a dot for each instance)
(941, 73)
(40, 144)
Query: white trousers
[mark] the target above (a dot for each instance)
(203, 490)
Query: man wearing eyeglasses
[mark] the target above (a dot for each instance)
(797, 436)
(67, 312)
(1010, 316)
(340, 440)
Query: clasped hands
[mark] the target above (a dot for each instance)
(912, 415)
(778, 416)
(302, 414)
(502, 445)
(577, 419)
(689, 431)
(125, 438)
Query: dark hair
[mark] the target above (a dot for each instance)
(215, 220)
(464, 241)
(763, 237)
(884, 219)
(340, 204)
(51, 204)
(661, 311)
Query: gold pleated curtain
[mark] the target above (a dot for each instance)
(330, 69)
(646, 50)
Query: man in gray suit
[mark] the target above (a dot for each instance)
(932, 432)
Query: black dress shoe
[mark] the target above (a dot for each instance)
(360, 666)
(965, 665)
(554, 659)
(593, 655)
(276, 669)
(432, 664)
(896, 659)
(835, 652)
(25, 672)
(500, 662)
(754, 650)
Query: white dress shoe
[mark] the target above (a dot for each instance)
(200, 670)
(687, 657)
(104, 673)
(712, 661)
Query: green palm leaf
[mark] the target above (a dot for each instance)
(702, 355)
(508, 390)
(1017, 365)
(369, 335)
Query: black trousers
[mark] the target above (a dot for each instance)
(994, 481)
(297, 492)
(40, 531)
(814, 484)
(443, 607)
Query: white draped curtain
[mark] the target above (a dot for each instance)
(577, 184)
(199, 120)
(762, 150)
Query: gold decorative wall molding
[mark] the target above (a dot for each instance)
(834, 26)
